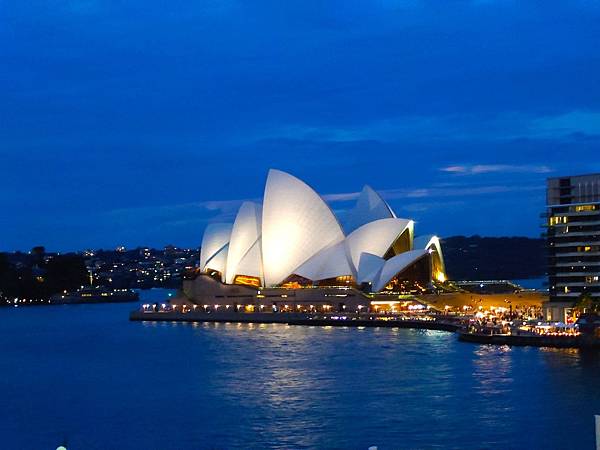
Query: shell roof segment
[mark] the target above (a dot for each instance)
(216, 236)
(245, 233)
(369, 206)
(296, 224)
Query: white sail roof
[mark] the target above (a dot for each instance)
(330, 262)
(424, 241)
(218, 261)
(295, 232)
(369, 267)
(251, 263)
(369, 206)
(396, 265)
(375, 237)
(245, 233)
(216, 236)
(431, 242)
(296, 224)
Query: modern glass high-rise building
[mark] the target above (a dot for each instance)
(573, 241)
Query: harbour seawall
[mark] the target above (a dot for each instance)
(307, 319)
(580, 341)
(293, 319)
(414, 324)
(197, 316)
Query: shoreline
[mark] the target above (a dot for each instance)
(305, 319)
(528, 341)
(296, 319)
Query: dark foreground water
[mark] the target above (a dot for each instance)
(87, 374)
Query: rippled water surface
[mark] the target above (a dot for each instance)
(87, 374)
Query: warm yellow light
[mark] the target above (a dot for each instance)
(441, 277)
(585, 208)
(247, 280)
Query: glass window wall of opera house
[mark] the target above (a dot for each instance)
(291, 253)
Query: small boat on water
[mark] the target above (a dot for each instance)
(95, 294)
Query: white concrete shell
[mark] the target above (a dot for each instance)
(296, 224)
(432, 243)
(295, 232)
(369, 207)
(251, 263)
(330, 262)
(396, 265)
(245, 233)
(369, 268)
(423, 242)
(218, 261)
(216, 236)
(376, 237)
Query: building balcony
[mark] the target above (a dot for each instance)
(575, 213)
(578, 244)
(577, 284)
(576, 274)
(594, 234)
(576, 264)
(560, 226)
(575, 295)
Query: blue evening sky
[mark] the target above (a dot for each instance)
(139, 122)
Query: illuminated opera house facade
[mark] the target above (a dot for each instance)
(293, 253)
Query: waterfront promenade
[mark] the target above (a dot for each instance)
(439, 322)
(578, 341)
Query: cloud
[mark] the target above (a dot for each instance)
(436, 191)
(341, 197)
(584, 122)
(181, 213)
(465, 191)
(419, 207)
(436, 127)
(495, 168)
(225, 210)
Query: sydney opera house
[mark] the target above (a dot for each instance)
(292, 252)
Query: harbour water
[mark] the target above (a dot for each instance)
(86, 374)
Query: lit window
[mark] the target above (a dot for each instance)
(247, 280)
(586, 208)
(587, 248)
(555, 220)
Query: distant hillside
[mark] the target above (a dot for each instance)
(490, 258)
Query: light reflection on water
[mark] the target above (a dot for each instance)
(230, 385)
